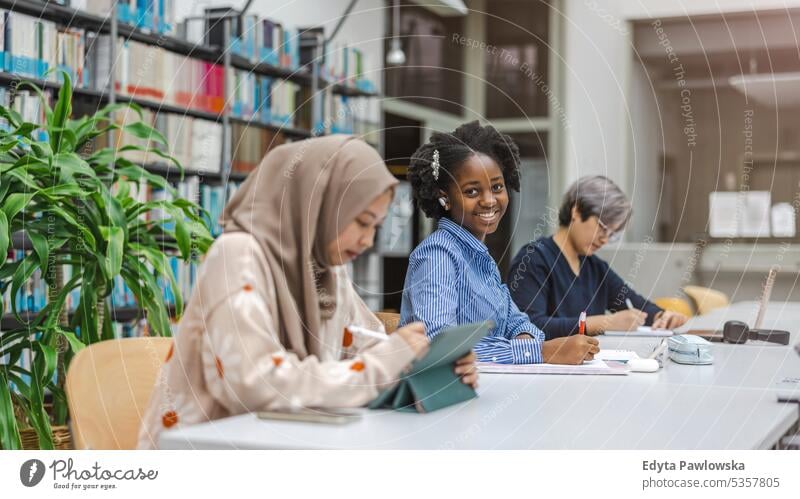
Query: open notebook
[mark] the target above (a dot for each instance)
(646, 331)
(595, 366)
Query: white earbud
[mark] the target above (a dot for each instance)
(443, 202)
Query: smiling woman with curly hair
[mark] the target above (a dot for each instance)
(461, 179)
(453, 149)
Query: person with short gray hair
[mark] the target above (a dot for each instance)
(596, 195)
(556, 278)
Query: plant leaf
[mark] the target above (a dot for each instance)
(43, 100)
(74, 343)
(112, 108)
(14, 203)
(13, 118)
(142, 130)
(161, 265)
(36, 411)
(88, 237)
(116, 241)
(4, 237)
(136, 173)
(71, 164)
(114, 210)
(25, 129)
(52, 309)
(9, 432)
(41, 247)
(183, 238)
(49, 361)
(61, 114)
(21, 275)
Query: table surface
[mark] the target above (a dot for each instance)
(730, 404)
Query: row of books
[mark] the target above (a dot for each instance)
(345, 64)
(195, 143)
(152, 73)
(342, 114)
(153, 16)
(31, 47)
(149, 72)
(259, 40)
(28, 104)
(35, 48)
(250, 145)
(264, 99)
(339, 114)
(213, 199)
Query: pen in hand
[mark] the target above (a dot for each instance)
(362, 331)
(630, 306)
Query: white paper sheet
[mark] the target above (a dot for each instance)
(591, 367)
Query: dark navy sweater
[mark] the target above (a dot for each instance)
(543, 285)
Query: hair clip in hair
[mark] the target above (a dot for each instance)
(435, 164)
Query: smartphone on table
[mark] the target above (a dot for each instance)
(313, 415)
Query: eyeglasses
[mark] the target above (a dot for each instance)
(613, 236)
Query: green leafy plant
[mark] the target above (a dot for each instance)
(75, 206)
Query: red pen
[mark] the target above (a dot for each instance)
(582, 323)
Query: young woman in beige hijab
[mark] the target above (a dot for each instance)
(264, 328)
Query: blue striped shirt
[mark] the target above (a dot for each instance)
(451, 280)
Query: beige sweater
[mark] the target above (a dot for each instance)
(226, 358)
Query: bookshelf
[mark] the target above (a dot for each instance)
(304, 76)
(100, 24)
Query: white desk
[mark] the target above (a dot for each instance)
(780, 315)
(730, 404)
(753, 365)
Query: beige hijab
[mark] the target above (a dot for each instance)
(300, 198)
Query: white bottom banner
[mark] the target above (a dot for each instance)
(401, 474)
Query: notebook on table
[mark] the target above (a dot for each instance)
(596, 366)
(643, 331)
